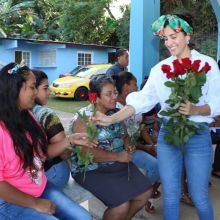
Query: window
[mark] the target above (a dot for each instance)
(84, 58)
(24, 56)
(47, 58)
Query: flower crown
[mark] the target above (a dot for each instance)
(174, 21)
(14, 70)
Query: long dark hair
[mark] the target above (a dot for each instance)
(19, 123)
(121, 79)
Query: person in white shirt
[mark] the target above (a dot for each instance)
(197, 154)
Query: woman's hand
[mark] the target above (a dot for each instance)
(124, 156)
(186, 108)
(82, 140)
(130, 148)
(45, 206)
(102, 119)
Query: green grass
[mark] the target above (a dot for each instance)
(64, 104)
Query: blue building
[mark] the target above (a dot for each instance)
(53, 57)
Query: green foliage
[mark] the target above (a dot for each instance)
(12, 14)
(209, 47)
(85, 158)
(123, 29)
(203, 19)
(89, 23)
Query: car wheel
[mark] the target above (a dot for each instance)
(81, 94)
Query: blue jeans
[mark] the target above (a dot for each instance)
(197, 158)
(148, 163)
(59, 174)
(66, 209)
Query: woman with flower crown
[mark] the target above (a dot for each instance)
(186, 85)
(25, 192)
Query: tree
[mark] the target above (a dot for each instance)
(45, 21)
(86, 21)
(12, 13)
(123, 29)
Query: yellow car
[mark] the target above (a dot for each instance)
(77, 86)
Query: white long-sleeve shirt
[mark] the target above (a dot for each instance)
(155, 91)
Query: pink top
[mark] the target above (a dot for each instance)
(11, 170)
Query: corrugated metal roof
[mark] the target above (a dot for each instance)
(60, 42)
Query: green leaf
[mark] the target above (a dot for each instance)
(164, 113)
(196, 93)
(201, 79)
(186, 138)
(170, 84)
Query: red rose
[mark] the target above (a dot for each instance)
(195, 65)
(169, 75)
(165, 68)
(205, 68)
(92, 97)
(186, 63)
(178, 68)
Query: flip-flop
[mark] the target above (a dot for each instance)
(149, 208)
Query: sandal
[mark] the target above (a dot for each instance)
(156, 194)
(186, 199)
(149, 207)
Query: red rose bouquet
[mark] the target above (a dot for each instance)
(185, 81)
(85, 158)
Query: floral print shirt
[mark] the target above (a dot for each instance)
(110, 138)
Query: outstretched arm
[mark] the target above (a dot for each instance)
(55, 149)
(124, 113)
(99, 154)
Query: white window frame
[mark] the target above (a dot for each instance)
(45, 60)
(22, 57)
(84, 52)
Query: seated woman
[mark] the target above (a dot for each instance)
(111, 177)
(24, 191)
(57, 168)
(126, 83)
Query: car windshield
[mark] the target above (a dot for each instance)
(76, 70)
(85, 72)
(100, 72)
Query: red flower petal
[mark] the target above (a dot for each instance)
(195, 65)
(178, 68)
(205, 68)
(165, 68)
(92, 97)
(186, 63)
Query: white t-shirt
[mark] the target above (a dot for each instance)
(155, 91)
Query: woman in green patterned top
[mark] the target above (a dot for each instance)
(57, 169)
(111, 177)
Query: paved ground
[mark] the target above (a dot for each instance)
(186, 212)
